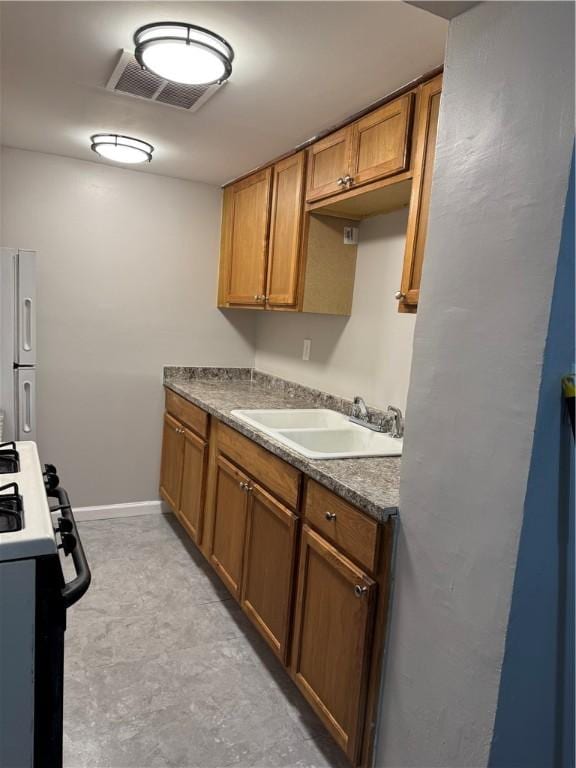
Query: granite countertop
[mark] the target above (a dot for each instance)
(369, 483)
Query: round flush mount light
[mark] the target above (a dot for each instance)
(121, 149)
(183, 53)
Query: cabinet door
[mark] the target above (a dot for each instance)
(380, 142)
(229, 524)
(247, 236)
(332, 638)
(193, 483)
(425, 150)
(285, 231)
(268, 568)
(328, 163)
(171, 464)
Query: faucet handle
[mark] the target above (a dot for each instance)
(397, 421)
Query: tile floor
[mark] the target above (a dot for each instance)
(163, 669)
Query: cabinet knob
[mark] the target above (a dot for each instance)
(348, 180)
(340, 181)
(400, 296)
(260, 297)
(330, 515)
(360, 591)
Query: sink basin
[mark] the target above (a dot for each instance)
(320, 433)
(295, 418)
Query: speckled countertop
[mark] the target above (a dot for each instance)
(369, 483)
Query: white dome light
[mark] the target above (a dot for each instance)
(121, 149)
(183, 53)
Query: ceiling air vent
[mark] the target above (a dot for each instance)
(129, 78)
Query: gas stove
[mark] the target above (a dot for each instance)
(26, 528)
(37, 528)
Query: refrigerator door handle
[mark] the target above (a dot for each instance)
(26, 405)
(27, 340)
(27, 410)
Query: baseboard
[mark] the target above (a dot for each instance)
(131, 509)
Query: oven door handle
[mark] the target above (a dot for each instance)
(75, 589)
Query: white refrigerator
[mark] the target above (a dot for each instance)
(18, 343)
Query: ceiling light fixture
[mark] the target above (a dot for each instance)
(121, 149)
(183, 53)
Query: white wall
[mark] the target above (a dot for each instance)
(368, 353)
(502, 163)
(127, 271)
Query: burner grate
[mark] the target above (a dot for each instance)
(9, 459)
(11, 508)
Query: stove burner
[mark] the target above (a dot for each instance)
(11, 508)
(9, 459)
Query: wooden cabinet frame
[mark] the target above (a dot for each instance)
(424, 154)
(362, 591)
(359, 170)
(259, 584)
(171, 463)
(190, 510)
(241, 229)
(358, 553)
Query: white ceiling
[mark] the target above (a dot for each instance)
(299, 67)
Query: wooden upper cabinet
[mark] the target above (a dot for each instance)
(245, 220)
(332, 638)
(380, 142)
(230, 509)
(328, 164)
(285, 231)
(268, 568)
(171, 464)
(424, 153)
(193, 483)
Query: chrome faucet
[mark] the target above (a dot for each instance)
(359, 410)
(397, 419)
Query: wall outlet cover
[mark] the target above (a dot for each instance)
(350, 235)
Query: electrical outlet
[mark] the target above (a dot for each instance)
(350, 235)
(306, 349)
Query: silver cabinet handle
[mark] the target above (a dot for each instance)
(348, 180)
(340, 181)
(360, 591)
(400, 296)
(330, 515)
(245, 486)
(260, 297)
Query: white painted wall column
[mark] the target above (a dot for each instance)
(502, 164)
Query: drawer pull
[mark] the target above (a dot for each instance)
(360, 591)
(245, 486)
(330, 515)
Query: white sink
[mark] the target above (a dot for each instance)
(295, 418)
(320, 433)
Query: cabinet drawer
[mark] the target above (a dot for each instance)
(279, 477)
(340, 522)
(187, 413)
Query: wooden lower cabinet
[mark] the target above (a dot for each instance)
(230, 512)
(310, 570)
(332, 638)
(193, 486)
(172, 460)
(268, 568)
